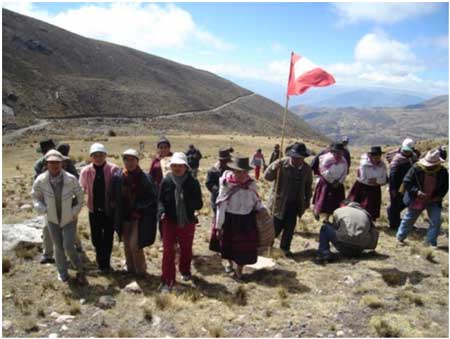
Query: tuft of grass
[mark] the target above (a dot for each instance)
(415, 249)
(40, 313)
(147, 314)
(192, 294)
(282, 293)
(162, 301)
(105, 333)
(216, 331)
(125, 333)
(445, 271)
(428, 254)
(372, 301)
(410, 297)
(74, 308)
(240, 296)
(26, 253)
(385, 328)
(30, 325)
(6, 265)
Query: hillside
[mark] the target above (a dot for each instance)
(381, 125)
(50, 73)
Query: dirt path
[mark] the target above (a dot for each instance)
(9, 137)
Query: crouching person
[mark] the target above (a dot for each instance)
(134, 201)
(351, 232)
(179, 197)
(53, 194)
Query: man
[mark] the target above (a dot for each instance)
(214, 173)
(45, 145)
(293, 194)
(95, 179)
(351, 232)
(67, 164)
(193, 158)
(275, 154)
(347, 156)
(426, 185)
(52, 193)
(400, 163)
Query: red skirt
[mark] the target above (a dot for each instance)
(369, 197)
(326, 198)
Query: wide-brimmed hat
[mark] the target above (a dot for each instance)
(337, 146)
(240, 163)
(45, 145)
(179, 158)
(53, 155)
(432, 158)
(130, 152)
(375, 150)
(298, 150)
(163, 140)
(224, 154)
(97, 148)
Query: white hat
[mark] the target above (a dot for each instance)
(53, 155)
(408, 145)
(179, 158)
(97, 148)
(432, 158)
(131, 152)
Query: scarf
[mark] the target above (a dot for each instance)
(427, 170)
(231, 185)
(180, 204)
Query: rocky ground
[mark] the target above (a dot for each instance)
(392, 292)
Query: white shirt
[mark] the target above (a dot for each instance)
(332, 171)
(367, 170)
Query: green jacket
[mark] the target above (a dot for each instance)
(287, 175)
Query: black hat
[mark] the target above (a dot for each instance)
(375, 150)
(277, 146)
(240, 163)
(63, 149)
(224, 154)
(46, 145)
(337, 146)
(298, 150)
(163, 140)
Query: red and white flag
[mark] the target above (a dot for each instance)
(304, 74)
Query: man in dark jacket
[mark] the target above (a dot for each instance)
(134, 200)
(426, 185)
(193, 158)
(351, 232)
(68, 164)
(292, 195)
(214, 173)
(347, 156)
(275, 154)
(399, 166)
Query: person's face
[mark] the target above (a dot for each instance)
(130, 162)
(178, 169)
(163, 150)
(297, 162)
(98, 158)
(240, 175)
(54, 167)
(375, 158)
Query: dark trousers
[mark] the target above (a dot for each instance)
(287, 225)
(102, 235)
(328, 235)
(394, 210)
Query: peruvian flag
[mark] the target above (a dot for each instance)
(304, 74)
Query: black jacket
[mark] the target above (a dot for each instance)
(397, 174)
(212, 183)
(146, 204)
(193, 158)
(192, 198)
(413, 182)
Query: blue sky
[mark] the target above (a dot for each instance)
(397, 45)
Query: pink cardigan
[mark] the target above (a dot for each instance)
(87, 177)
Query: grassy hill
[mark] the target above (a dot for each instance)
(50, 73)
(381, 125)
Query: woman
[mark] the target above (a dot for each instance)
(95, 179)
(235, 221)
(135, 202)
(157, 166)
(329, 190)
(179, 197)
(258, 161)
(372, 174)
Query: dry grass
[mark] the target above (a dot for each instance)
(163, 301)
(410, 297)
(372, 301)
(6, 265)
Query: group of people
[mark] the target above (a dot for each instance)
(134, 203)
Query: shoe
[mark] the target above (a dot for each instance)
(45, 260)
(316, 216)
(288, 254)
(63, 277)
(322, 259)
(186, 277)
(164, 288)
(401, 242)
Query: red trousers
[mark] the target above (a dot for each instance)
(171, 235)
(257, 170)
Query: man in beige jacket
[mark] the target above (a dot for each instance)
(58, 195)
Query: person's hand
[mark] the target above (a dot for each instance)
(422, 195)
(163, 216)
(219, 233)
(372, 181)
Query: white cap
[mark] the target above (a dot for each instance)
(97, 148)
(179, 158)
(53, 155)
(408, 145)
(131, 152)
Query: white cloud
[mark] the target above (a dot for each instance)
(382, 13)
(141, 26)
(439, 42)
